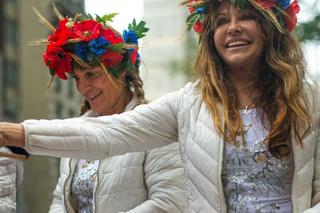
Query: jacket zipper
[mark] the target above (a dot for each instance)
(67, 191)
(95, 207)
(223, 200)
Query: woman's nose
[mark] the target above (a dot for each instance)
(234, 27)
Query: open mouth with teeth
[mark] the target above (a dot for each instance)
(92, 98)
(238, 44)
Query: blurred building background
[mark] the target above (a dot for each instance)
(167, 54)
(24, 93)
(166, 49)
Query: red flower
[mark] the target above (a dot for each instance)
(292, 12)
(110, 36)
(191, 5)
(61, 35)
(191, 9)
(267, 4)
(134, 56)
(111, 58)
(198, 27)
(87, 30)
(58, 61)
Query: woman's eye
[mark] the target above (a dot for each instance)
(221, 21)
(76, 78)
(91, 74)
(248, 17)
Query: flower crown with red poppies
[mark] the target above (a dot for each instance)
(282, 12)
(91, 41)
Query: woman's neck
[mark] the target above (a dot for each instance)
(244, 85)
(121, 103)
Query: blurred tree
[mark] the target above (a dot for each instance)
(310, 30)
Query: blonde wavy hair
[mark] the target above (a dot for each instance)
(285, 110)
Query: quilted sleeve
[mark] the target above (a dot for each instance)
(8, 180)
(147, 127)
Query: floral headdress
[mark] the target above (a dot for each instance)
(282, 13)
(86, 40)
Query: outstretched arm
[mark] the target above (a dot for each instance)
(11, 134)
(147, 127)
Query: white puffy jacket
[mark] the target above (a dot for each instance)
(11, 175)
(181, 116)
(152, 181)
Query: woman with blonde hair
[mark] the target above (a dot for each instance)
(248, 128)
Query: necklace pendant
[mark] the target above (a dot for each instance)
(246, 110)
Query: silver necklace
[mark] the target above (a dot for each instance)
(247, 109)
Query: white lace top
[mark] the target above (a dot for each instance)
(83, 183)
(255, 181)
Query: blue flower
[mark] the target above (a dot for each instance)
(97, 46)
(200, 10)
(81, 51)
(130, 36)
(283, 3)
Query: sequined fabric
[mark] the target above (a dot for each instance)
(255, 181)
(83, 183)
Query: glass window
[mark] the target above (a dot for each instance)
(58, 110)
(11, 32)
(71, 88)
(57, 85)
(11, 90)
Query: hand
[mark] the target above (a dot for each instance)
(11, 134)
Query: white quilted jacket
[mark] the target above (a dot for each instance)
(11, 175)
(139, 182)
(181, 116)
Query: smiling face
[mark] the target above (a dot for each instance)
(238, 37)
(97, 88)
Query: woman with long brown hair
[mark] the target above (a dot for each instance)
(248, 128)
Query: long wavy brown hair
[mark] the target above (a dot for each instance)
(279, 85)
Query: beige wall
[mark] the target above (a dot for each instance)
(41, 173)
(34, 75)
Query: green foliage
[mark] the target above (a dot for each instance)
(106, 18)
(192, 19)
(116, 47)
(309, 31)
(140, 29)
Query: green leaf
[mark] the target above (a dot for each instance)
(106, 18)
(116, 47)
(192, 19)
(140, 29)
(90, 16)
